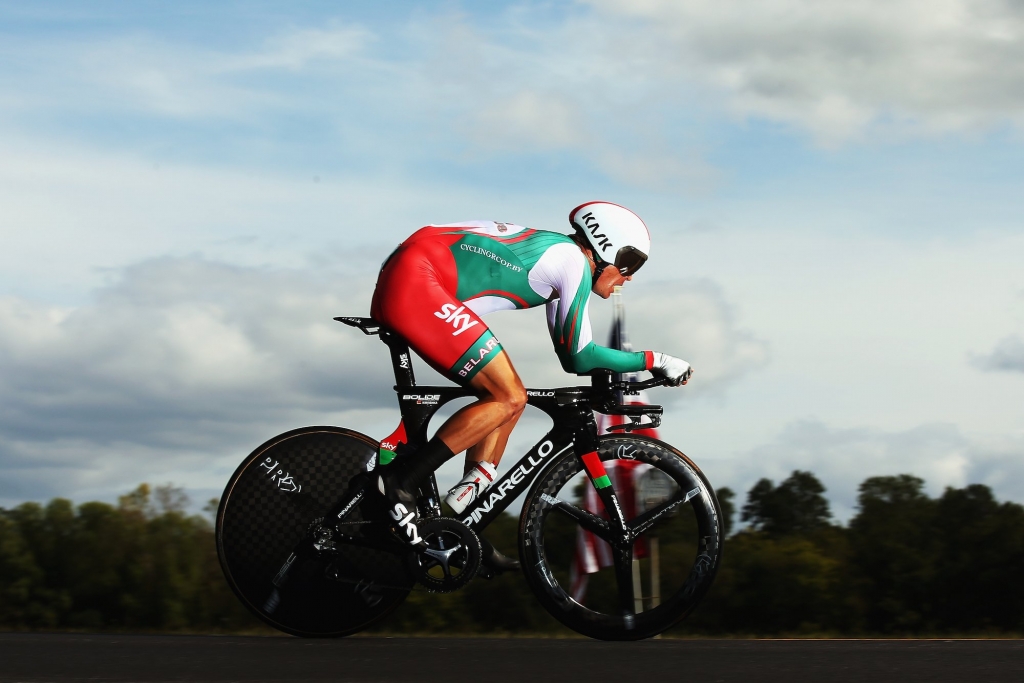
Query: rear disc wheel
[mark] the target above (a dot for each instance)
(271, 505)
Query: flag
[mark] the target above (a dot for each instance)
(592, 554)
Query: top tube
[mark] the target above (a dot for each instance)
(601, 393)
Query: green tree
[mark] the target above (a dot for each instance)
(977, 577)
(45, 532)
(906, 564)
(141, 564)
(796, 506)
(20, 577)
(771, 585)
(895, 551)
(727, 500)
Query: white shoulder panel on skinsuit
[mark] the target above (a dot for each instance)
(482, 305)
(489, 228)
(560, 271)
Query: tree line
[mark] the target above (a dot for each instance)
(905, 564)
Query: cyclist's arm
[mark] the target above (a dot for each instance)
(568, 273)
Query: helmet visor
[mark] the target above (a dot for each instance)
(629, 260)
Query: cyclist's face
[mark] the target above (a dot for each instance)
(608, 280)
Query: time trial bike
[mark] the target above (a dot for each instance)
(620, 535)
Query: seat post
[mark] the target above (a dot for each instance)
(401, 358)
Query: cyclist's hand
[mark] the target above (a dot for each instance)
(677, 371)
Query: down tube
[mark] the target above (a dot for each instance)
(502, 492)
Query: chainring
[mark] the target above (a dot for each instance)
(452, 557)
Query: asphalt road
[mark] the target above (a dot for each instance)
(84, 657)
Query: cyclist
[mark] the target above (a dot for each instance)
(433, 289)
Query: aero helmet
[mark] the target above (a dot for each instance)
(616, 235)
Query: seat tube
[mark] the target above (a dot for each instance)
(401, 359)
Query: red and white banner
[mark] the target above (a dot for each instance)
(593, 554)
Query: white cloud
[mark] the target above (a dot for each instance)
(180, 357)
(518, 87)
(625, 87)
(298, 48)
(469, 92)
(144, 74)
(862, 330)
(543, 121)
(693, 320)
(182, 365)
(72, 214)
(684, 171)
(1008, 355)
(838, 68)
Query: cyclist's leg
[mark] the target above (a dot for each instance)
(502, 400)
(492, 447)
(501, 404)
(484, 426)
(414, 299)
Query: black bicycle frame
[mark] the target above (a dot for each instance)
(565, 407)
(570, 409)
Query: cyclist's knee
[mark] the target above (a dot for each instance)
(516, 399)
(498, 382)
(511, 395)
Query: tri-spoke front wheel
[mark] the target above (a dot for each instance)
(611, 585)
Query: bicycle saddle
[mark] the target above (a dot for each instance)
(367, 325)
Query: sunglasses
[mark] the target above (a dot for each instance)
(628, 260)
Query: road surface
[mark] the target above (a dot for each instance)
(142, 658)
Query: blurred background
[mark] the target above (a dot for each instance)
(189, 192)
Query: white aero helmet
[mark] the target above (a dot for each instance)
(616, 235)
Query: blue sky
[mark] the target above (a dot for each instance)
(188, 193)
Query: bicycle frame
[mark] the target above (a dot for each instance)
(562, 405)
(570, 409)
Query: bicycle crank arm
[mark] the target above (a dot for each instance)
(384, 543)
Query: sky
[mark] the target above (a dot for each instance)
(189, 192)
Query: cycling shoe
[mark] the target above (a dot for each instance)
(399, 483)
(401, 506)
